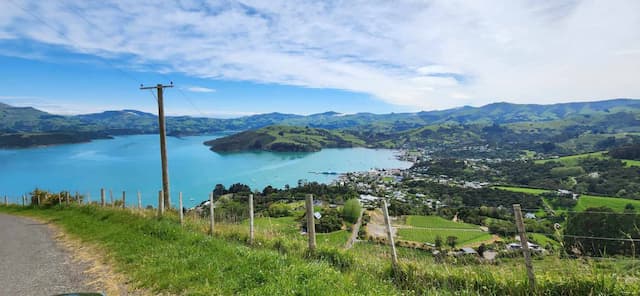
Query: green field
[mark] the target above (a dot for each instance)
(429, 235)
(436, 222)
(572, 160)
(630, 163)
(335, 239)
(541, 239)
(426, 228)
(522, 189)
(617, 204)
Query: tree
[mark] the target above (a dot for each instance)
(452, 241)
(239, 188)
(351, 210)
(438, 242)
(219, 190)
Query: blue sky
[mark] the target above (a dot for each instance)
(240, 57)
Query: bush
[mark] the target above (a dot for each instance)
(351, 210)
(279, 209)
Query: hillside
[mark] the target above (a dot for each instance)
(593, 121)
(284, 139)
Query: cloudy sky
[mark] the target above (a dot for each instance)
(231, 58)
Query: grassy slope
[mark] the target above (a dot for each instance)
(161, 256)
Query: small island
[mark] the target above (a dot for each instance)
(280, 138)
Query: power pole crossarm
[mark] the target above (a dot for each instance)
(163, 139)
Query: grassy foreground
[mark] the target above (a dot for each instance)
(159, 255)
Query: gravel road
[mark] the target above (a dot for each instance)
(32, 263)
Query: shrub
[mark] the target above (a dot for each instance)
(351, 210)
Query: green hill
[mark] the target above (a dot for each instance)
(284, 139)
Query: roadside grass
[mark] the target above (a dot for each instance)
(159, 255)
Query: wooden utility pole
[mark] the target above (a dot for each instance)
(160, 203)
(524, 243)
(311, 225)
(102, 198)
(163, 139)
(387, 222)
(251, 229)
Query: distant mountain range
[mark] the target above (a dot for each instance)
(26, 126)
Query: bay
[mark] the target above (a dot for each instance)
(132, 163)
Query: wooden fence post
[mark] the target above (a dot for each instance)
(24, 200)
(139, 200)
(180, 209)
(524, 243)
(59, 199)
(102, 197)
(211, 214)
(251, 229)
(88, 198)
(111, 198)
(311, 225)
(78, 200)
(6, 202)
(67, 198)
(38, 199)
(387, 222)
(124, 199)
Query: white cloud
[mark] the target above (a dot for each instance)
(431, 54)
(200, 89)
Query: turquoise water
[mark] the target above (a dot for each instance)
(132, 163)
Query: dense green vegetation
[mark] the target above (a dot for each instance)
(284, 139)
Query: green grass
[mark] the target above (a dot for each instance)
(617, 204)
(522, 189)
(161, 256)
(335, 239)
(429, 235)
(542, 239)
(630, 163)
(436, 222)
